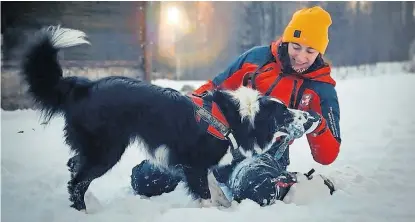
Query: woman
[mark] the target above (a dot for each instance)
(292, 70)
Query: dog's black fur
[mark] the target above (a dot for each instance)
(103, 117)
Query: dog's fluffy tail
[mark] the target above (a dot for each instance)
(42, 71)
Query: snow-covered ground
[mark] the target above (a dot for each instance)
(375, 170)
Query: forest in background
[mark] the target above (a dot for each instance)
(207, 36)
(361, 33)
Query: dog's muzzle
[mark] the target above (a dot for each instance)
(295, 128)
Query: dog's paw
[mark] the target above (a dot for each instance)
(206, 203)
(93, 203)
(218, 197)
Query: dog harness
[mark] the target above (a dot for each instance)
(210, 117)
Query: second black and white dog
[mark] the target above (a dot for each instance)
(103, 117)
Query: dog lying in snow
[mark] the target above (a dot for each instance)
(103, 117)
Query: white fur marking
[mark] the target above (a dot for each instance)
(226, 159)
(161, 155)
(257, 149)
(248, 102)
(274, 138)
(276, 100)
(65, 37)
(247, 153)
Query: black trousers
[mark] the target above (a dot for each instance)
(252, 179)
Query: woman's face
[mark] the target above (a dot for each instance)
(301, 56)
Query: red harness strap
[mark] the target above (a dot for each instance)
(215, 111)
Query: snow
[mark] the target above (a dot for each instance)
(374, 170)
(177, 85)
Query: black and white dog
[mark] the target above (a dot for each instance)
(103, 117)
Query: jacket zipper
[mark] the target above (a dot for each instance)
(271, 88)
(293, 92)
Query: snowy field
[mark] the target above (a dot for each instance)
(375, 170)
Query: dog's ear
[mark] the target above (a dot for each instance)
(227, 104)
(269, 107)
(225, 100)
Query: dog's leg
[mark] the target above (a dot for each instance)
(217, 195)
(77, 192)
(73, 164)
(197, 183)
(78, 186)
(91, 168)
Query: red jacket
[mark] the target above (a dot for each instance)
(310, 91)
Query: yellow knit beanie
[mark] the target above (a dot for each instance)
(309, 26)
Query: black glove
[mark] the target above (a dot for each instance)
(283, 184)
(313, 120)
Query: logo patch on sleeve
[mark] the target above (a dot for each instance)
(305, 101)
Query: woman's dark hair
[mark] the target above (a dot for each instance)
(286, 64)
